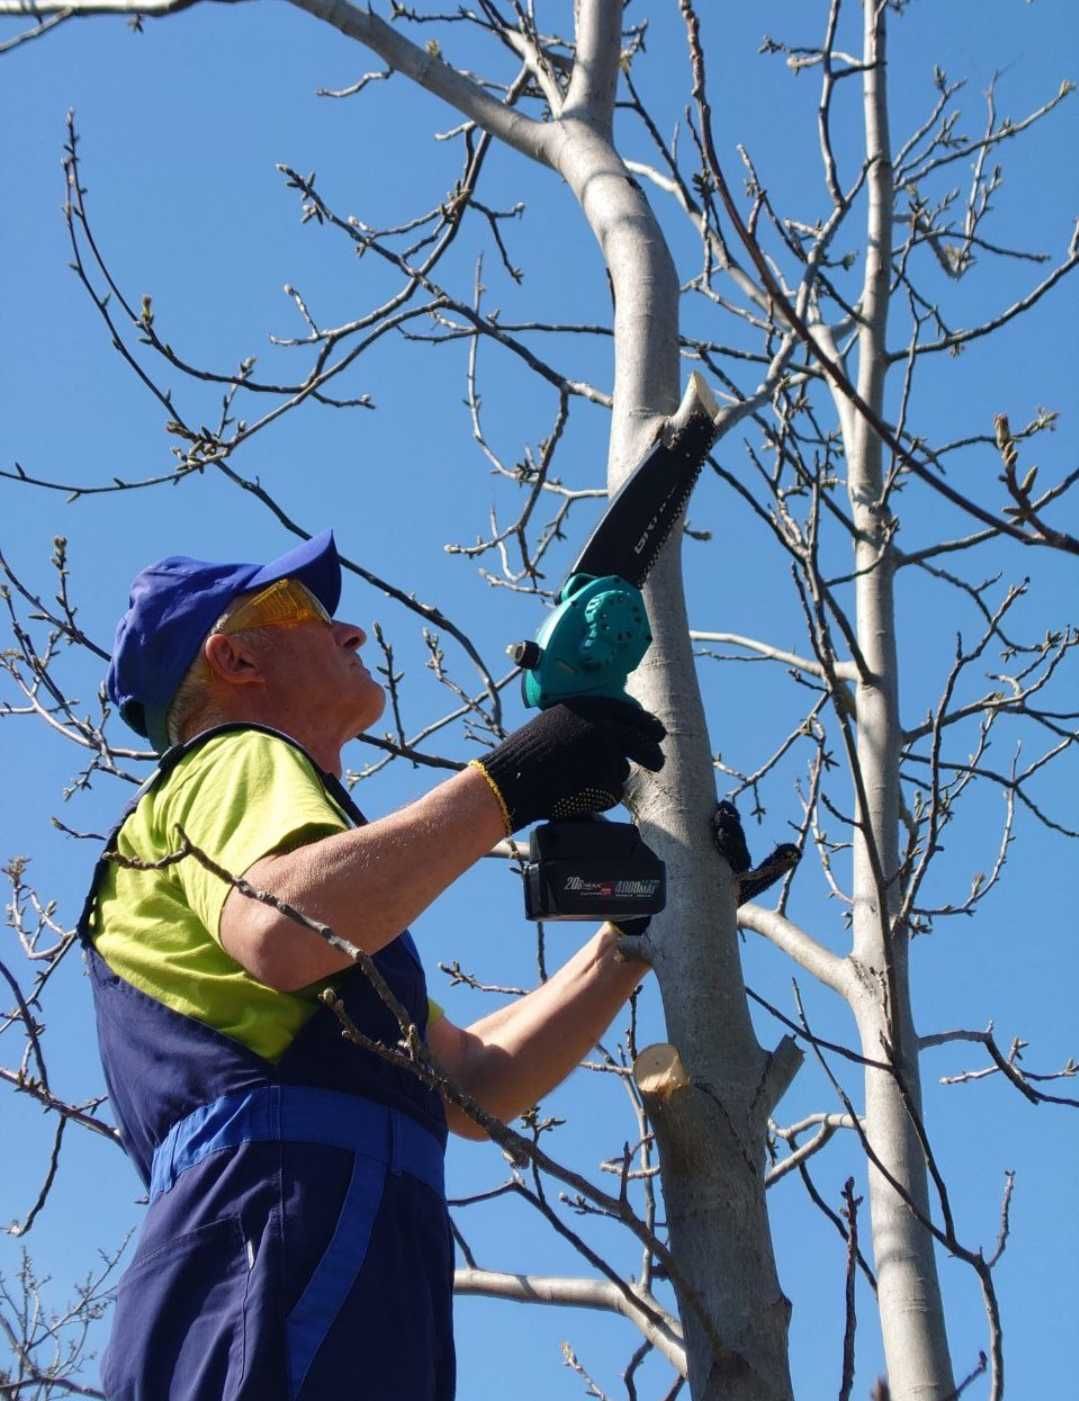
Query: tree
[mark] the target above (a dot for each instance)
(858, 504)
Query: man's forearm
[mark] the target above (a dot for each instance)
(518, 1054)
(367, 884)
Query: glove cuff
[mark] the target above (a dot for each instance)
(493, 786)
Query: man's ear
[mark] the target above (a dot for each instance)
(233, 660)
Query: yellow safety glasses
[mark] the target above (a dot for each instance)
(285, 604)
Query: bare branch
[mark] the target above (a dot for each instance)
(1004, 1065)
(850, 1211)
(573, 1293)
(846, 670)
(43, 27)
(829, 1123)
(829, 968)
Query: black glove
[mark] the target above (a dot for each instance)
(572, 759)
(730, 842)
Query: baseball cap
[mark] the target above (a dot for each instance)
(174, 604)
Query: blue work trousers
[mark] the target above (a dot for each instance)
(296, 1248)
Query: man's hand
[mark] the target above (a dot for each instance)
(730, 842)
(572, 759)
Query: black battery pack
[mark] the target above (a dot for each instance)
(589, 868)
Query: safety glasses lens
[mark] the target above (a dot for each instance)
(282, 604)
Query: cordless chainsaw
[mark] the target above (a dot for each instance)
(589, 868)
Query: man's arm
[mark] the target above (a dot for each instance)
(367, 884)
(509, 1060)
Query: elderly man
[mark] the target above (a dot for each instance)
(296, 1243)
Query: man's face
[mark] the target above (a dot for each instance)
(316, 670)
(304, 664)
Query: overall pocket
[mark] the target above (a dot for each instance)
(178, 1328)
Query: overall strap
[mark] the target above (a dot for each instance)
(340, 794)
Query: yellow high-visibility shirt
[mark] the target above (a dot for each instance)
(239, 797)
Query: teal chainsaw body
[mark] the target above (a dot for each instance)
(587, 647)
(595, 637)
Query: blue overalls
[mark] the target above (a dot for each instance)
(297, 1245)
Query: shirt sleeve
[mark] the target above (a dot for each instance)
(243, 797)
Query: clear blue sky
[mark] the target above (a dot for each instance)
(181, 128)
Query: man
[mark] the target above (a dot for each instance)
(296, 1243)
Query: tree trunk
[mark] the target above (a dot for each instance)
(712, 1131)
(911, 1311)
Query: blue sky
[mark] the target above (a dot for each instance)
(182, 127)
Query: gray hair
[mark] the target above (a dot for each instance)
(193, 707)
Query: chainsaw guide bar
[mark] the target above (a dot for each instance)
(644, 510)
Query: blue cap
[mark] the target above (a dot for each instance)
(174, 604)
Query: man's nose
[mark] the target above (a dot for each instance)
(350, 636)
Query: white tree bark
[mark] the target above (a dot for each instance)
(711, 1139)
(911, 1311)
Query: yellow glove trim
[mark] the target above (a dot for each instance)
(493, 786)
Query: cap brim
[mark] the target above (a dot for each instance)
(315, 563)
